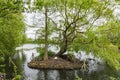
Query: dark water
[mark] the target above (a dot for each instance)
(23, 56)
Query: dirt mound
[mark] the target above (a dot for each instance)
(54, 63)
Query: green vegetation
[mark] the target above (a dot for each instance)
(12, 34)
(112, 78)
(41, 51)
(11, 26)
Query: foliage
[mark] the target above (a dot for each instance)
(8, 7)
(17, 77)
(78, 78)
(41, 51)
(11, 25)
(11, 35)
(101, 42)
(112, 78)
(12, 29)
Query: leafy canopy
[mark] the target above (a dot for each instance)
(11, 25)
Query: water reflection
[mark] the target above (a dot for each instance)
(96, 71)
(48, 75)
(14, 64)
(56, 75)
(28, 50)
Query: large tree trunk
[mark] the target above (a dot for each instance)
(67, 40)
(63, 48)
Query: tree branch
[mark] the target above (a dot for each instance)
(94, 22)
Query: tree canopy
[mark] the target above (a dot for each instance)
(11, 25)
(12, 30)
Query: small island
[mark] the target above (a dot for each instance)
(55, 63)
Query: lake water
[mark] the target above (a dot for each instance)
(23, 56)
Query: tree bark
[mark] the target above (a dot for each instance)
(63, 48)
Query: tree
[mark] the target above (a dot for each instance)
(78, 27)
(77, 21)
(74, 16)
(46, 35)
(12, 34)
(45, 5)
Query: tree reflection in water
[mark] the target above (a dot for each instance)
(56, 75)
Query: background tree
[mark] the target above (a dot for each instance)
(100, 43)
(11, 25)
(12, 29)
